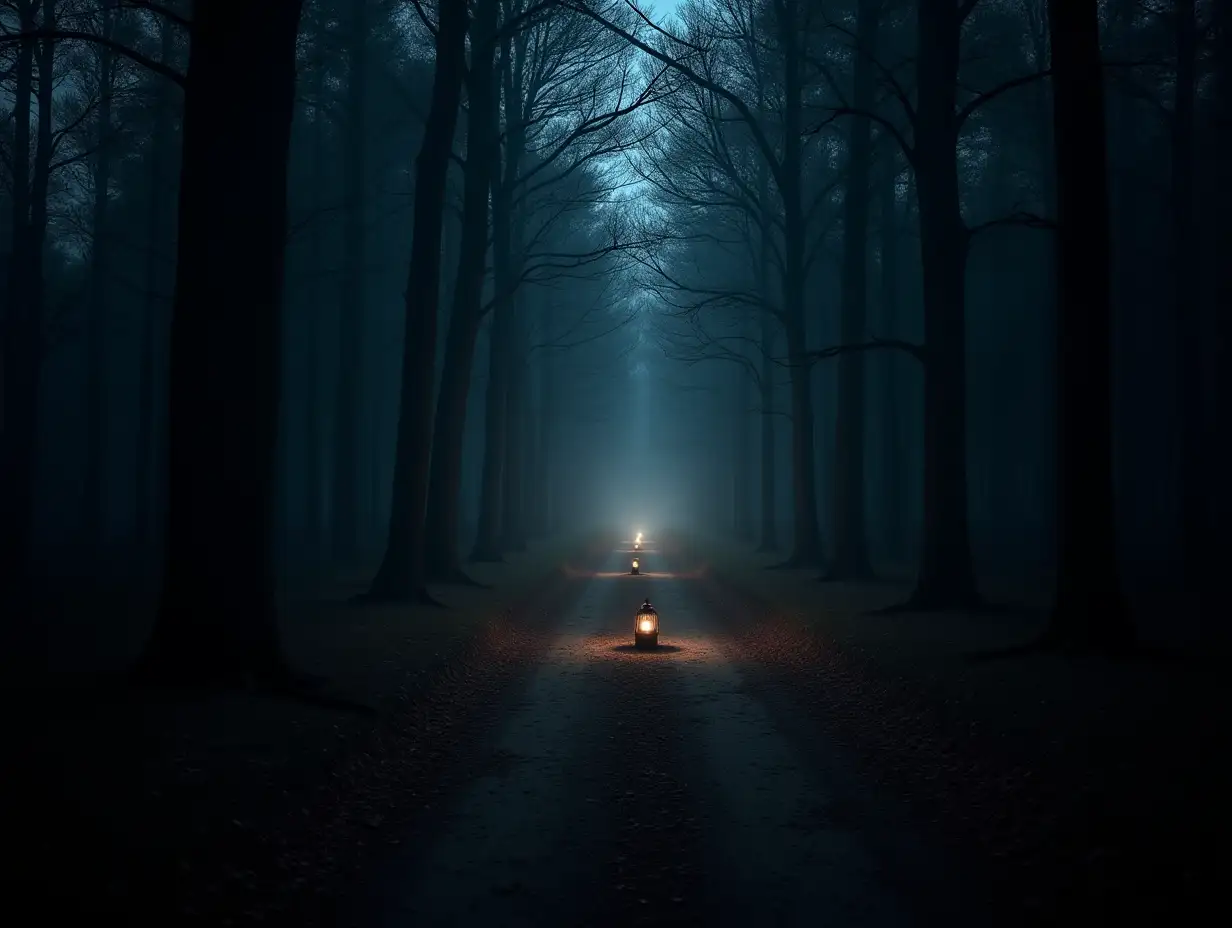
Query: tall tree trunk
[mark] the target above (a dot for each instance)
(806, 543)
(349, 412)
(96, 328)
(1218, 629)
(449, 428)
(1196, 566)
(946, 579)
(218, 617)
(1090, 612)
(159, 229)
(402, 571)
(513, 528)
(314, 438)
(500, 359)
(849, 559)
(893, 473)
(768, 536)
(742, 464)
(22, 342)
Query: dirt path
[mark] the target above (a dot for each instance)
(621, 787)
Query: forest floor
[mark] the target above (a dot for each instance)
(1084, 788)
(240, 807)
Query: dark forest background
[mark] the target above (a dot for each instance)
(291, 286)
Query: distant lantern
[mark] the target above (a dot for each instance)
(646, 630)
(637, 567)
(637, 546)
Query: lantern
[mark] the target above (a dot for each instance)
(636, 568)
(646, 629)
(637, 546)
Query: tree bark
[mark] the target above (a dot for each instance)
(946, 579)
(806, 543)
(1196, 543)
(449, 428)
(893, 473)
(348, 409)
(314, 438)
(402, 572)
(849, 559)
(22, 344)
(1089, 612)
(159, 230)
(768, 536)
(218, 617)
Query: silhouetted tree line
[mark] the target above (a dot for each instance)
(245, 218)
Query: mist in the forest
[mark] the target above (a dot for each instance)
(335, 332)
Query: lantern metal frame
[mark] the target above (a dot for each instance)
(646, 613)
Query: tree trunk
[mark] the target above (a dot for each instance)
(1191, 400)
(314, 438)
(96, 328)
(218, 617)
(513, 529)
(806, 543)
(946, 579)
(849, 559)
(893, 473)
(1090, 612)
(159, 229)
(22, 343)
(403, 569)
(348, 410)
(449, 428)
(768, 539)
(742, 464)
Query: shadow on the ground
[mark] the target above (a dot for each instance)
(657, 649)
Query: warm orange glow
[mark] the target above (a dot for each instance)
(647, 626)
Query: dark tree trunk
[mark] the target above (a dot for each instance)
(218, 617)
(1196, 542)
(449, 428)
(849, 559)
(487, 540)
(500, 359)
(349, 411)
(314, 414)
(893, 473)
(21, 343)
(806, 542)
(946, 579)
(96, 462)
(402, 571)
(742, 464)
(1217, 629)
(159, 230)
(768, 536)
(513, 529)
(1090, 612)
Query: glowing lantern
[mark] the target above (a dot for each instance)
(646, 629)
(637, 568)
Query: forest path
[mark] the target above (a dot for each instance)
(626, 787)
